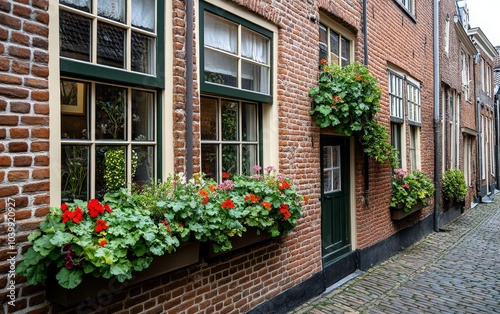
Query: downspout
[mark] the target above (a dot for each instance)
(366, 160)
(497, 140)
(437, 125)
(189, 89)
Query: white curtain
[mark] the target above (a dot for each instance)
(112, 9)
(220, 33)
(78, 3)
(253, 46)
(143, 14)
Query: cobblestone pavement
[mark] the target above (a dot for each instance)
(456, 271)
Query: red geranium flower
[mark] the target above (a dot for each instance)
(101, 225)
(64, 207)
(226, 175)
(166, 224)
(227, 204)
(205, 200)
(75, 216)
(95, 208)
(103, 242)
(284, 209)
(252, 198)
(107, 208)
(323, 62)
(266, 205)
(283, 185)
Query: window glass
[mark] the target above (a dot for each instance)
(333, 46)
(74, 36)
(238, 150)
(110, 45)
(143, 14)
(112, 9)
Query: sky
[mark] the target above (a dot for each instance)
(485, 15)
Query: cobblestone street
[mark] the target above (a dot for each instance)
(454, 271)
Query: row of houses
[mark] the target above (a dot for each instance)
(179, 68)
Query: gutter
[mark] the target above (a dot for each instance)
(189, 89)
(366, 160)
(437, 125)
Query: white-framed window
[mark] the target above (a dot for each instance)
(467, 160)
(465, 74)
(484, 147)
(336, 43)
(404, 92)
(414, 107)
(482, 72)
(447, 35)
(396, 95)
(237, 74)
(110, 81)
(488, 80)
(409, 5)
(454, 118)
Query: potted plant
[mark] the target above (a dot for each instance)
(347, 99)
(454, 187)
(410, 192)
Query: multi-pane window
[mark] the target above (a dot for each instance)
(414, 108)
(110, 141)
(108, 124)
(454, 117)
(102, 32)
(236, 55)
(488, 80)
(396, 95)
(465, 74)
(404, 93)
(468, 159)
(230, 137)
(333, 46)
(409, 5)
(236, 80)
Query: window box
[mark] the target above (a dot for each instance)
(187, 253)
(398, 212)
(250, 237)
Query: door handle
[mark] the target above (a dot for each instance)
(328, 197)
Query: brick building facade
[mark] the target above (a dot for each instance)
(43, 53)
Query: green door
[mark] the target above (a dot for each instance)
(335, 231)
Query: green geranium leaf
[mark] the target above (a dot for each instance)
(69, 279)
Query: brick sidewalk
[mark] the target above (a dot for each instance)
(457, 271)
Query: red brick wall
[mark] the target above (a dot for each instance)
(395, 39)
(24, 135)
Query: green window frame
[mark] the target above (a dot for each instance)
(213, 85)
(93, 81)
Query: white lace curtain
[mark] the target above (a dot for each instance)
(143, 11)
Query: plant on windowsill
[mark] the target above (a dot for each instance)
(113, 238)
(347, 99)
(128, 229)
(218, 212)
(454, 187)
(409, 189)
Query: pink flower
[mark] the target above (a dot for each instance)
(406, 186)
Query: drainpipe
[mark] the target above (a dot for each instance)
(437, 124)
(189, 89)
(366, 160)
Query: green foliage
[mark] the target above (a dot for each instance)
(409, 188)
(454, 186)
(75, 244)
(114, 173)
(124, 232)
(347, 98)
(217, 212)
